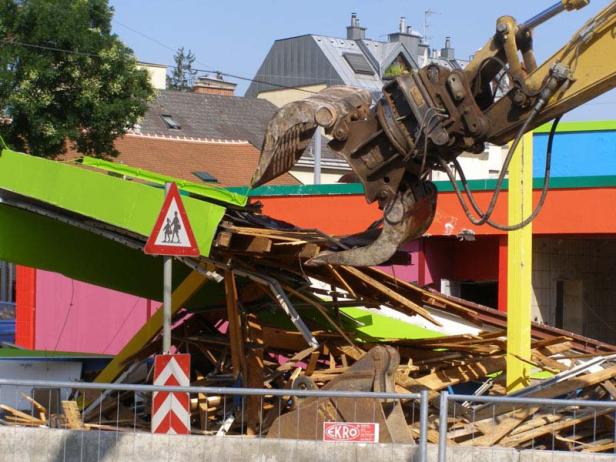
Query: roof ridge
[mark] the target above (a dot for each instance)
(186, 139)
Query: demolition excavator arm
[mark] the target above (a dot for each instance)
(424, 120)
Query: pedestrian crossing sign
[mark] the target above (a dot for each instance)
(172, 234)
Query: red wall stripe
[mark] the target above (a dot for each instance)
(25, 309)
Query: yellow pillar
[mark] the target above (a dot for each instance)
(519, 266)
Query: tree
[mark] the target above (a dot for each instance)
(183, 76)
(65, 79)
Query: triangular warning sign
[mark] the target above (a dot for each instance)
(172, 234)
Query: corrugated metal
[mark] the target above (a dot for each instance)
(317, 59)
(333, 49)
(293, 62)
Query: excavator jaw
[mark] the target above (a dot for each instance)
(291, 129)
(406, 218)
(357, 134)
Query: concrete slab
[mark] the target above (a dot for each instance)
(19, 444)
(563, 456)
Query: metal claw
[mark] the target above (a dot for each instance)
(291, 129)
(407, 217)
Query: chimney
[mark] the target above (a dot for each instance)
(447, 52)
(407, 37)
(355, 31)
(214, 86)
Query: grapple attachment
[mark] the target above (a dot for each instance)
(290, 131)
(378, 148)
(406, 218)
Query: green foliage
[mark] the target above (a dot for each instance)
(87, 98)
(395, 70)
(183, 75)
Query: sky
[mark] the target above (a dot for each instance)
(234, 36)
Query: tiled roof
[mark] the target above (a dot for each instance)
(231, 163)
(209, 116)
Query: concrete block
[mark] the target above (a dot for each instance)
(474, 454)
(42, 445)
(564, 456)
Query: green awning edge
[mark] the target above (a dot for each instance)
(206, 191)
(574, 182)
(579, 126)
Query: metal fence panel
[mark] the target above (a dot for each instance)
(120, 409)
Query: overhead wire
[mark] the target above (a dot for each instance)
(205, 71)
(152, 39)
(225, 74)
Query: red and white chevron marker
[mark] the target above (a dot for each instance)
(171, 410)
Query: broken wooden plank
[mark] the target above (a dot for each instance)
(21, 415)
(312, 363)
(475, 370)
(42, 410)
(255, 371)
(72, 413)
(235, 326)
(504, 425)
(345, 285)
(514, 440)
(391, 294)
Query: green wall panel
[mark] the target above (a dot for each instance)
(126, 204)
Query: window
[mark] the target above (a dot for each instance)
(7, 283)
(205, 176)
(170, 122)
(358, 63)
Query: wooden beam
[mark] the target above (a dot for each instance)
(444, 378)
(72, 414)
(255, 372)
(515, 440)
(583, 381)
(402, 302)
(344, 284)
(505, 426)
(234, 330)
(22, 415)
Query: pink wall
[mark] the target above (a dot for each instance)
(80, 317)
(75, 316)
(410, 272)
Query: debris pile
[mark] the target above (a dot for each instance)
(283, 324)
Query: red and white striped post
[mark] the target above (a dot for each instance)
(171, 410)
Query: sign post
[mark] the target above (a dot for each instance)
(171, 236)
(167, 278)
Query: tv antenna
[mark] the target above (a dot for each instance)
(427, 13)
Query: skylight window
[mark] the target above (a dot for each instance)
(170, 122)
(205, 176)
(358, 63)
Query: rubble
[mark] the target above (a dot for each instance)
(253, 338)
